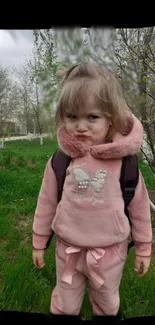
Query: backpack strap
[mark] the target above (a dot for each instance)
(129, 180)
(60, 161)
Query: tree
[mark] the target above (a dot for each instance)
(48, 66)
(7, 99)
(74, 45)
(24, 90)
(134, 55)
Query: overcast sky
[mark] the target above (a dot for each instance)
(15, 46)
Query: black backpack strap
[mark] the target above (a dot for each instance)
(60, 161)
(129, 180)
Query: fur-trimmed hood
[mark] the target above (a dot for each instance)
(120, 147)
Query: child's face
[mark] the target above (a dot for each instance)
(89, 124)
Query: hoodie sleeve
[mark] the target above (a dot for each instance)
(46, 208)
(139, 211)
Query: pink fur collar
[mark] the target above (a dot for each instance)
(120, 147)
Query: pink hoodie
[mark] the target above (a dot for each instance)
(91, 211)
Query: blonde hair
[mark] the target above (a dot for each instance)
(89, 78)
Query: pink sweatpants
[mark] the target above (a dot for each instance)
(103, 269)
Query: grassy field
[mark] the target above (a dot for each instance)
(22, 286)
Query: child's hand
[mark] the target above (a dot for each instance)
(38, 258)
(142, 264)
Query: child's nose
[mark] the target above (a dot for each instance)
(81, 127)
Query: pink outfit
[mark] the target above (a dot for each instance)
(90, 223)
(102, 267)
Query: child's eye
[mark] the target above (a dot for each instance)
(71, 116)
(93, 117)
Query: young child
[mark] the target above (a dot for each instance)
(95, 128)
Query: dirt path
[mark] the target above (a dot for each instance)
(22, 137)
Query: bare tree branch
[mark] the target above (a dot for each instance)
(131, 49)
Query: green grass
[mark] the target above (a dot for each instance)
(148, 175)
(22, 286)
